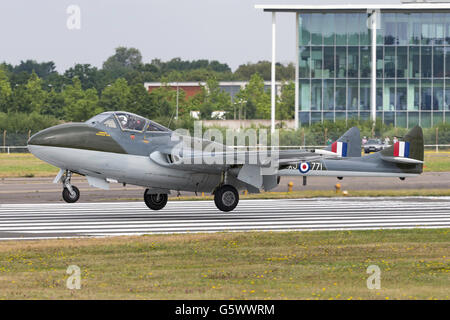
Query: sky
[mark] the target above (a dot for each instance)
(231, 31)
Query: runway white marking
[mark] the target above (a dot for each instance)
(47, 221)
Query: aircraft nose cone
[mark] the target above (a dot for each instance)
(37, 139)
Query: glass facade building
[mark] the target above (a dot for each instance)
(412, 66)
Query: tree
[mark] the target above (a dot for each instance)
(5, 91)
(141, 102)
(34, 96)
(123, 61)
(264, 68)
(116, 96)
(286, 102)
(80, 105)
(215, 99)
(43, 70)
(88, 75)
(254, 99)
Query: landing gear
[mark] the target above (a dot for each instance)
(155, 201)
(226, 198)
(70, 193)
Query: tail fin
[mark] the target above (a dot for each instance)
(349, 145)
(408, 150)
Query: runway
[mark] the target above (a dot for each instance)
(49, 221)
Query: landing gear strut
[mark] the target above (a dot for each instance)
(155, 201)
(226, 198)
(70, 193)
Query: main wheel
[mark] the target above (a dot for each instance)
(155, 201)
(71, 198)
(226, 198)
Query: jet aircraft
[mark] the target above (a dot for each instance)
(126, 148)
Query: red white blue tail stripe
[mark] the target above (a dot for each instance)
(340, 148)
(401, 149)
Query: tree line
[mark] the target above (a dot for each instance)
(38, 92)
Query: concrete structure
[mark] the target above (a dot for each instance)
(389, 62)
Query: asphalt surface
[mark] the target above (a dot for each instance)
(42, 190)
(40, 221)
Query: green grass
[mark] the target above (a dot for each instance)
(24, 165)
(415, 264)
(27, 165)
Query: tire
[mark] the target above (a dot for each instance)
(226, 198)
(68, 197)
(155, 201)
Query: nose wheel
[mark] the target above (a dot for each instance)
(155, 201)
(226, 198)
(71, 197)
(70, 193)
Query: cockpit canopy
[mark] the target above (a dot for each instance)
(127, 121)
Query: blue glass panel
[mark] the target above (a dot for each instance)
(340, 116)
(352, 95)
(341, 94)
(304, 118)
(413, 94)
(328, 116)
(401, 103)
(316, 62)
(389, 62)
(402, 62)
(328, 95)
(364, 95)
(352, 115)
(380, 61)
(447, 96)
(438, 118)
(365, 35)
(304, 62)
(447, 62)
(415, 31)
(413, 119)
(427, 28)
(438, 94)
(389, 27)
(328, 62)
(328, 29)
(414, 62)
(389, 117)
(426, 62)
(304, 25)
(379, 94)
(439, 21)
(438, 62)
(316, 94)
(341, 28)
(316, 117)
(365, 62)
(400, 119)
(425, 119)
(353, 29)
(353, 62)
(425, 96)
(304, 95)
(341, 62)
(364, 116)
(317, 23)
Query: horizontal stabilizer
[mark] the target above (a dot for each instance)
(401, 160)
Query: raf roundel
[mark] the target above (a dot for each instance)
(304, 167)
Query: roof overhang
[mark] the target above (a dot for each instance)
(355, 7)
